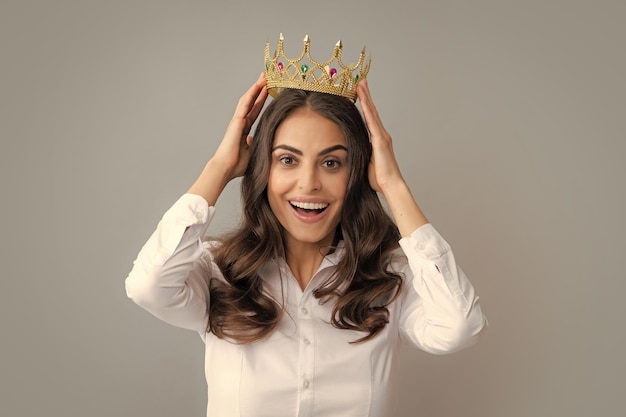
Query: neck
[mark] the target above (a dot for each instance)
(304, 259)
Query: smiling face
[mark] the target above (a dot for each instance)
(308, 178)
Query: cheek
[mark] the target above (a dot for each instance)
(277, 185)
(341, 187)
(273, 183)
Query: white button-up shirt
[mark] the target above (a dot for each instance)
(306, 367)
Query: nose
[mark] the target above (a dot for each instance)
(309, 179)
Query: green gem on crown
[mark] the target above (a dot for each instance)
(304, 68)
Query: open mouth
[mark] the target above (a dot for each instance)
(309, 208)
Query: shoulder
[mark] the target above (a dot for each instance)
(209, 245)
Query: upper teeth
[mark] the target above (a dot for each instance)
(309, 206)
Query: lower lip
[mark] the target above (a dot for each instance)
(312, 217)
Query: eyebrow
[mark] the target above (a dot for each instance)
(322, 152)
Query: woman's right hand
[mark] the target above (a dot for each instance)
(233, 154)
(234, 151)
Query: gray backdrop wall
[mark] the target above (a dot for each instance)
(508, 120)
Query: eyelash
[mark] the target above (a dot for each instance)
(336, 163)
(290, 160)
(283, 159)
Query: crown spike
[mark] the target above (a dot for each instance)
(306, 39)
(281, 38)
(339, 44)
(361, 58)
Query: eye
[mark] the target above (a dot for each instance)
(287, 159)
(332, 163)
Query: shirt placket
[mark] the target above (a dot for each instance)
(306, 366)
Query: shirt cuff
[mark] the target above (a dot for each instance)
(189, 216)
(426, 240)
(191, 209)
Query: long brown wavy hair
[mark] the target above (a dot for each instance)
(362, 286)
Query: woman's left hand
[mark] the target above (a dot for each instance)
(384, 173)
(383, 169)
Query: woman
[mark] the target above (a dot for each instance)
(302, 308)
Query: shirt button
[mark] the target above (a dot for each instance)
(304, 311)
(307, 341)
(306, 383)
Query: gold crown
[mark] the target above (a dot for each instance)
(305, 73)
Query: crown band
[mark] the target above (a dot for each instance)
(305, 73)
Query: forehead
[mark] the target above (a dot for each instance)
(306, 127)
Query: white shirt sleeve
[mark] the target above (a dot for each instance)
(440, 310)
(169, 277)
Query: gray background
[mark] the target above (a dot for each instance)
(508, 121)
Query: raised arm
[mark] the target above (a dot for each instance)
(440, 309)
(384, 172)
(170, 276)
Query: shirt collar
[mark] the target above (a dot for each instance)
(332, 259)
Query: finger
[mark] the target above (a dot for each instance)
(372, 118)
(367, 104)
(257, 106)
(246, 102)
